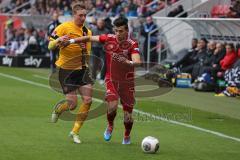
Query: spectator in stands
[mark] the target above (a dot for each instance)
(188, 58)
(9, 31)
(179, 12)
(51, 28)
(172, 13)
(99, 5)
(232, 74)
(211, 64)
(211, 46)
(98, 53)
(20, 41)
(156, 6)
(116, 8)
(142, 9)
(234, 10)
(132, 6)
(108, 24)
(148, 27)
(229, 58)
(33, 47)
(218, 55)
(197, 60)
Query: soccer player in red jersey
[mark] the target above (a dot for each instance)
(122, 55)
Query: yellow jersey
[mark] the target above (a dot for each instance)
(71, 57)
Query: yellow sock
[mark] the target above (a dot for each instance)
(63, 107)
(81, 116)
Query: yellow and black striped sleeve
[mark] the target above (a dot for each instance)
(58, 32)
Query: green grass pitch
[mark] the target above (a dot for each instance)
(27, 134)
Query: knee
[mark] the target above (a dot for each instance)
(112, 107)
(72, 104)
(128, 117)
(112, 110)
(87, 100)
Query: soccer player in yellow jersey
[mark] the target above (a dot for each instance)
(74, 74)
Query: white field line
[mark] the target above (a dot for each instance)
(136, 111)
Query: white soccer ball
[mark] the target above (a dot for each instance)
(150, 144)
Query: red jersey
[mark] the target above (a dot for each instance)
(116, 55)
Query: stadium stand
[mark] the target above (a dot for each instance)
(25, 35)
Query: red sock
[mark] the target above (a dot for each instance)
(110, 117)
(128, 127)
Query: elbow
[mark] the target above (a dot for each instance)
(52, 45)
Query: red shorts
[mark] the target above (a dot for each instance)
(123, 90)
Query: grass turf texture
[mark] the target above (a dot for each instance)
(26, 133)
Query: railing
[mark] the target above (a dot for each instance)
(31, 2)
(161, 34)
(4, 4)
(213, 28)
(187, 4)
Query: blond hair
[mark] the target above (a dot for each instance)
(77, 6)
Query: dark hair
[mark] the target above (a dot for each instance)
(231, 45)
(204, 39)
(195, 39)
(77, 6)
(121, 21)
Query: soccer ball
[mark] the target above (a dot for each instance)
(150, 144)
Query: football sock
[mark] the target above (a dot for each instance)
(81, 116)
(128, 127)
(110, 117)
(63, 107)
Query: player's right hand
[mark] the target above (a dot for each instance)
(63, 41)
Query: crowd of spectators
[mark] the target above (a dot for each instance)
(130, 8)
(210, 62)
(17, 39)
(231, 10)
(24, 40)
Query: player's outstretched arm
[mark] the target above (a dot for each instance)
(55, 43)
(85, 39)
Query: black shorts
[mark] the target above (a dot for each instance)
(71, 80)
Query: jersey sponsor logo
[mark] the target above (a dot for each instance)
(7, 61)
(118, 57)
(33, 61)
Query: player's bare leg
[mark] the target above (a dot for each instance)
(111, 114)
(128, 123)
(69, 104)
(86, 94)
